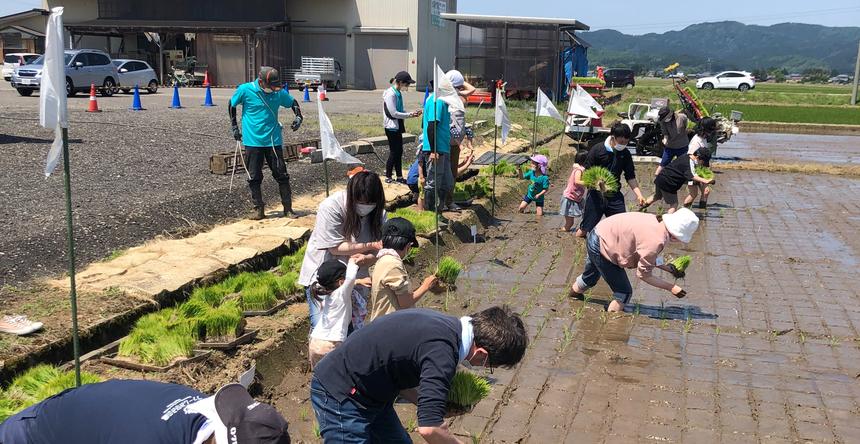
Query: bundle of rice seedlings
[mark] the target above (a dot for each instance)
(600, 179)
(211, 295)
(159, 338)
(236, 283)
(681, 263)
(288, 283)
(503, 168)
(704, 172)
(37, 384)
(259, 297)
(467, 389)
(293, 262)
(424, 221)
(221, 322)
(449, 269)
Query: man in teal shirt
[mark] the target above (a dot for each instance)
(261, 135)
(437, 142)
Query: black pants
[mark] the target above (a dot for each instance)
(274, 157)
(395, 153)
(596, 206)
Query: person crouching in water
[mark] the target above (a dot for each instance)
(539, 184)
(632, 240)
(705, 132)
(674, 176)
(343, 308)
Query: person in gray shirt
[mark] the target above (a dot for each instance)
(675, 140)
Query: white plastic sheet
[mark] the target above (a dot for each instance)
(502, 119)
(444, 90)
(331, 148)
(545, 108)
(52, 92)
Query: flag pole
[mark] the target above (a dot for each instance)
(325, 168)
(534, 131)
(495, 145)
(76, 346)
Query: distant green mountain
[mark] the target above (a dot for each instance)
(729, 45)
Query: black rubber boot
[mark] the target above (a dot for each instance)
(286, 198)
(258, 213)
(703, 204)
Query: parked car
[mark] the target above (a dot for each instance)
(135, 72)
(739, 80)
(84, 67)
(318, 70)
(619, 77)
(14, 60)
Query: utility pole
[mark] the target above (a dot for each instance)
(856, 76)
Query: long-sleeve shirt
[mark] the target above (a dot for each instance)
(336, 312)
(392, 110)
(676, 131)
(601, 154)
(632, 240)
(408, 348)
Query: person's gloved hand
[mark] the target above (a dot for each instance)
(297, 122)
(236, 133)
(678, 274)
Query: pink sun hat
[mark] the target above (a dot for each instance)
(541, 160)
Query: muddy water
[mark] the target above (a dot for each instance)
(793, 148)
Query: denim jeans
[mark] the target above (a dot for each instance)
(597, 206)
(597, 266)
(313, 308)
(669, 154)
(351, 422)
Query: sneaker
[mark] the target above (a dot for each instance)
(389, 180)
(401, 180)
(19, 325)
(257, 214)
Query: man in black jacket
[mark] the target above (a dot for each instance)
(354, 387)
(613, 155)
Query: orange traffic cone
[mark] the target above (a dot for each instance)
(206, 78)
(322, 92)
(94, 104)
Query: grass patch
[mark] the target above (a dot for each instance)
(467, 389)
(794, 114)
(159, 338)
(115, 254)
(37, 384)
(449, 269)
(424, 221)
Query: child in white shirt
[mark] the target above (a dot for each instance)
(340, 303)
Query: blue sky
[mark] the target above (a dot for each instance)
(639, 16)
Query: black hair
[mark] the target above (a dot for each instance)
(365, 186)
(581, 156)
(706, 127)
(395, 242)
(502, 334)
(620, 130)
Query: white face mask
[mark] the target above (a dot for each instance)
(364, 209)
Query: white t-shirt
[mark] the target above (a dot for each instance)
(695, 143)
(328, 233)
(336, 312)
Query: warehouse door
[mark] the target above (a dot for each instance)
(230, 59)
(318, 45)
(378, 57)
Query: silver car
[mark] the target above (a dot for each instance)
(136, 72)
(84, 67)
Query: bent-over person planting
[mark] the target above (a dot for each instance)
(632, 240)
(354, 387)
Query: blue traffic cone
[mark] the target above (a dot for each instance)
(307, 98)
(426, 95)
(208, 100)
(176, 104)
(135, 102)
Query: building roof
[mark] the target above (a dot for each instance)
(23, 29)
(23, 15)
(113, 26)
(476, 18)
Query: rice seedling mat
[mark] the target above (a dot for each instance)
(110, 357)
(243, 339)
(487, 159)
(278, 307)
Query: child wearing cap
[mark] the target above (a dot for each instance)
(391, 288)
(703, 140)
(539, 184)
(342, 306)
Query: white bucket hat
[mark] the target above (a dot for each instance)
(681, 224)
(456, 78)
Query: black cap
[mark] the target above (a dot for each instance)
(247, 420)
(664, 113)
(330, 272)
(404, 77)
(270, 76)
(400, 227)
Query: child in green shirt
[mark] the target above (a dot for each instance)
(539, 184)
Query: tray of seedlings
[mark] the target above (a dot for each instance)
(215, 320)
(467, 389)
(158, 342)
(424, 221)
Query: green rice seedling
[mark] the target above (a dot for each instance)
(194, 307)
(288, 283)
(424, 221)
(37, 384)
(544, 151)
(681, 263)
(704, 172)
(159, 338)
(449, 269)
(317, 431)
(503, 168)
(600, 179)
(235, 284)
(587, 81)
(293, 262)
(222, 322)
(259, 297)
(211, 295)
(467, 389)
(7, 407)
(411, 424)
(412, 254)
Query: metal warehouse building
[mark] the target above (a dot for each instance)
(372, 39)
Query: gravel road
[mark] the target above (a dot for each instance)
(135, 175)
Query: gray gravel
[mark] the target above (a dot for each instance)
(135, 175)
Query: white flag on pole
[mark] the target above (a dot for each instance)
(502, 118)
(331, 148)
(587, 99)
(580, 106)
(444, 90)
(52, 92)
(545, 108)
